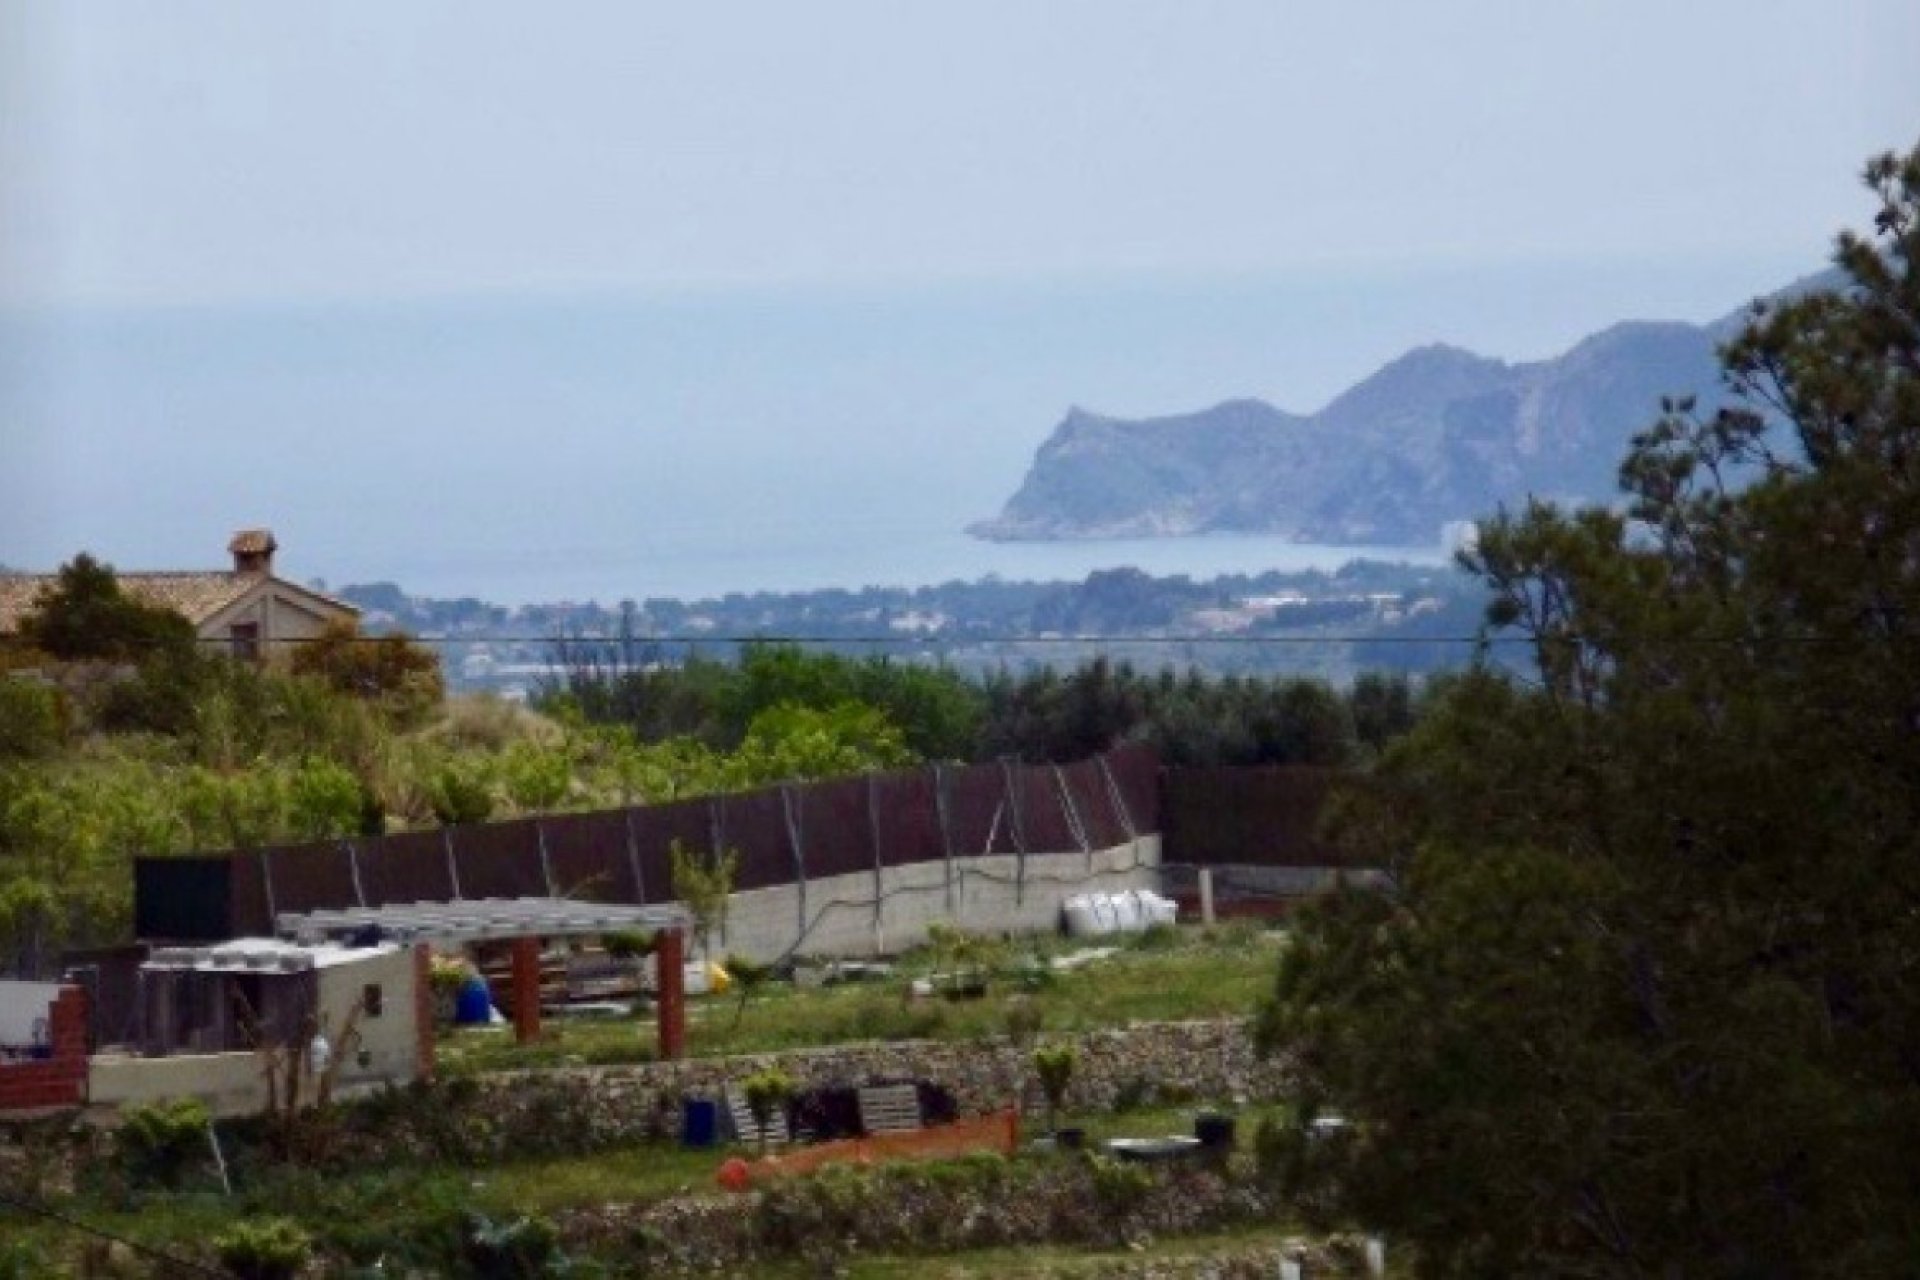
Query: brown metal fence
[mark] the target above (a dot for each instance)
(1265, 816)
(784, 835)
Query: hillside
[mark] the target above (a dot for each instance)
(1438, 435)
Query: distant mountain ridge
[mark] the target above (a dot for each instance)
(1436, 436)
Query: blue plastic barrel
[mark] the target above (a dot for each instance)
(473, 1006)
(699, 1122)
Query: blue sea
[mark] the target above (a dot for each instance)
(529, 450)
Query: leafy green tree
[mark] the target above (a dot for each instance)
(704, 884)
(1643, 1000)
(536, 778)
(324, 801)
(88, 615)
(790, 742)
(392, 670)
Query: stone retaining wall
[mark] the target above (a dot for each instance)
(1148, 1064)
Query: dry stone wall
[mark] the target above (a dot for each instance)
(1201, 1062)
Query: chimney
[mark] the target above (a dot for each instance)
(253, 551)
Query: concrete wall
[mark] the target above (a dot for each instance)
(861, 914)
(396, 1045)
(22, 1005)
(390, 1040)
(231, 1084)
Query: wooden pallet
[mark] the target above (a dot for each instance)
(889, 1108)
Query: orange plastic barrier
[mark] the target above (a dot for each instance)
(997, 1132)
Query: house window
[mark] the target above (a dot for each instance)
(244, 640)
(372, 1000)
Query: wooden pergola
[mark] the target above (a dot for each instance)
(523, 922)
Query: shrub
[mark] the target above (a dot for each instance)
(160, 1141)
(1118, 1184)
(1054, 1065)
(1157, 937)
(22, 1261)
(523, 1249)
(1023, 1019)
(264, 1249)
(767, 1092)
(460, 793)
(32, 719)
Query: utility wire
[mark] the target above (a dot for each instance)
(177, 1263)
(771, 638)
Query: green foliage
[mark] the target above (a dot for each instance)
(33, 720)
(1118, 1185)
(536, 778)
(160, 1142)
(523, 1248)
(23, 1260)
(1023, 1017)
(402, 677)
(703, 884)
(64, 876)
(1054, 1065)
(628, 944)
(1643, 1001)
(1190, 720)
(767, 1092)
(324, 800)
(460, 791)
(88, 616)
(264, 1249)
(790, 742)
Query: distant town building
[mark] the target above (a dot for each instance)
(248, 607)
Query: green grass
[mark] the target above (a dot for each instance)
(1187, 973)
(391, 1203)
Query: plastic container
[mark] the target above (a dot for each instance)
(474, 1005)
(699, 1122)
(1214, 1130)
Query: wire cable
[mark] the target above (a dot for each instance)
(187, 1265)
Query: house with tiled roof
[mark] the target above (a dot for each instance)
(247, 607)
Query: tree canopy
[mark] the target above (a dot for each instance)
(87, 614)
(1645, 998)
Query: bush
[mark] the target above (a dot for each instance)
(1023, 1019)
(265, 1249)
(460, 793)
(32, 719)
(523, 1249)
(1054, 1065)
(161, 1141)
(767, 1093)
(1118, 1184)
(1157, 937)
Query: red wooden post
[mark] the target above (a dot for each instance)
(669, 956)
(526, 990)
(423, 1027)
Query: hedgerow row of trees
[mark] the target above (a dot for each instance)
(1040, 714)
(121, 735)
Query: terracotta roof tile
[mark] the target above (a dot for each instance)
(196, 596)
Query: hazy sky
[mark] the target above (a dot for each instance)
(621, 296)
(187, 151)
